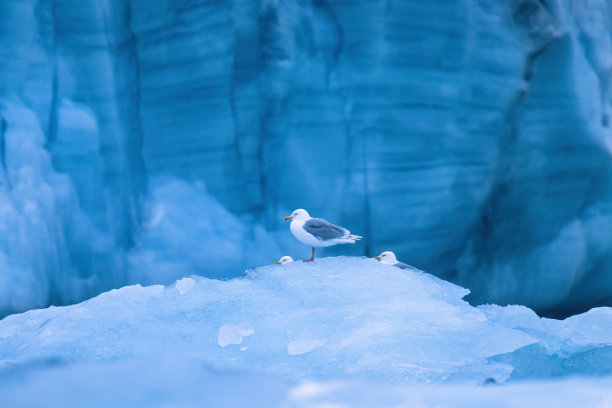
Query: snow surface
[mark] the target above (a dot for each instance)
(339, 331)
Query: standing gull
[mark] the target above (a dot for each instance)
(388, 258)
(285, 259)
(317, 232)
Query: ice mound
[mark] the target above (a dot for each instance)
(334, 318)
(578, 345)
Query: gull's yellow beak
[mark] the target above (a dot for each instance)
(287, 218)
(376, 257)
(277, 262)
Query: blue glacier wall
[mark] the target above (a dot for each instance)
(144, 140)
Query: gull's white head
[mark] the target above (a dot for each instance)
(387, 257)
(298, 214)
(284, 260)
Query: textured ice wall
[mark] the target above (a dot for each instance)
(188, 232)
(472, 138)
(72, 173)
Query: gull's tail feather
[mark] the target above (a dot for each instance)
(349, 239)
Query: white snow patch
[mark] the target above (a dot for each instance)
(231, 334)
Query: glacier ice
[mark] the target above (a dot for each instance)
(71, 177)
(337, 331)
(50, 251)
(186, 231)
(145, 141)
(472, 138)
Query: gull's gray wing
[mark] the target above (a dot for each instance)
(402, 265)
(323, 230)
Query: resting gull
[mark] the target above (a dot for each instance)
(317, 232)
(284, 260)
(388, 258)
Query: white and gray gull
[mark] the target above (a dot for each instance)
(317, 232)
(285, 259)
(388, 258)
